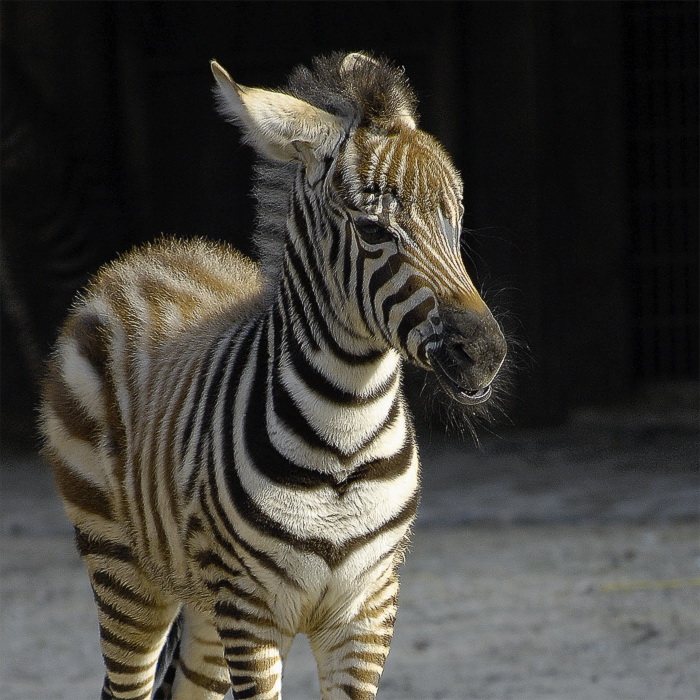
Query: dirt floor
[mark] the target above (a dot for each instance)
(560, 564)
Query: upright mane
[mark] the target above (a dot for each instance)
(361, 89)
(369, 91)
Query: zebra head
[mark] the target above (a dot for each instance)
(376, 205)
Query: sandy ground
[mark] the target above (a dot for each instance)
(559, 564)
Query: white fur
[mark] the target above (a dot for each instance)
(274, 121)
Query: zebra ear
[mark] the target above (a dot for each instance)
(353, 60)
(403, 112)
(274, 123)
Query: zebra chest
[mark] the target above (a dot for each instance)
(329, 547)
(325, 490)
(326, 516)
(310, 537)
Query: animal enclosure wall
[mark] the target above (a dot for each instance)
(662, 111)
(574, 125)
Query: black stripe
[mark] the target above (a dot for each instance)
(199, 679)
(261, 451)
(229, 610)
(302, 224)
(297, 275)
(127, 669)
(289, 413)
(264, 559)
(128, 687)
(384, 468)
(359, 291)
(258, 519)
(323, 386)
(213, 387)
(413, 319)
(378, 278)
(347, 257)
(382, 276)
(194, 525)
(238, 592)
(213, 390)
(92, 337)
(408, 288)
(80, 492)
(247, 693)
(334, 231)
(263, 454)
(308, 254)
(114, 585)
(119, 616)
(403, 517)
(294, 306)
(94, 546)
(306, 245)
(208, 558)
(128, 645)
(242, 635)
(224, 543)
(202, 373)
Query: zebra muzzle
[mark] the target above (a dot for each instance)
(471, 352)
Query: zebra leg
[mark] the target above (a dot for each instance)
(351, 656)
(168, 662)
(202, 670)
(254, 648)
(134, 618)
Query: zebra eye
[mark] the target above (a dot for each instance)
(372, 232)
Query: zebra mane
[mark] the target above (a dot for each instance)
(373, 93)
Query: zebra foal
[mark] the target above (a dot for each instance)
(230, 438)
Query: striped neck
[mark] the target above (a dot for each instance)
(335, 391)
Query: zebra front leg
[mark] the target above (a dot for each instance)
(254, 648)
(350, 656)
(134, 618)
(202, 671)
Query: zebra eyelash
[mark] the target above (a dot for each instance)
(371, 231)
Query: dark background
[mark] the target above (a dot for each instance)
(574, 124)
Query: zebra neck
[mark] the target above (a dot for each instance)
(332, 395)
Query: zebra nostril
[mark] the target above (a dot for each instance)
(460, 353)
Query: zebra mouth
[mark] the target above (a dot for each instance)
(458, 391)
(464, 395)
(474, 397)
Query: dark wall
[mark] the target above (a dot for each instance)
(574, 125)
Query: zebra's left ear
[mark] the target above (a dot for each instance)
(277, 125)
